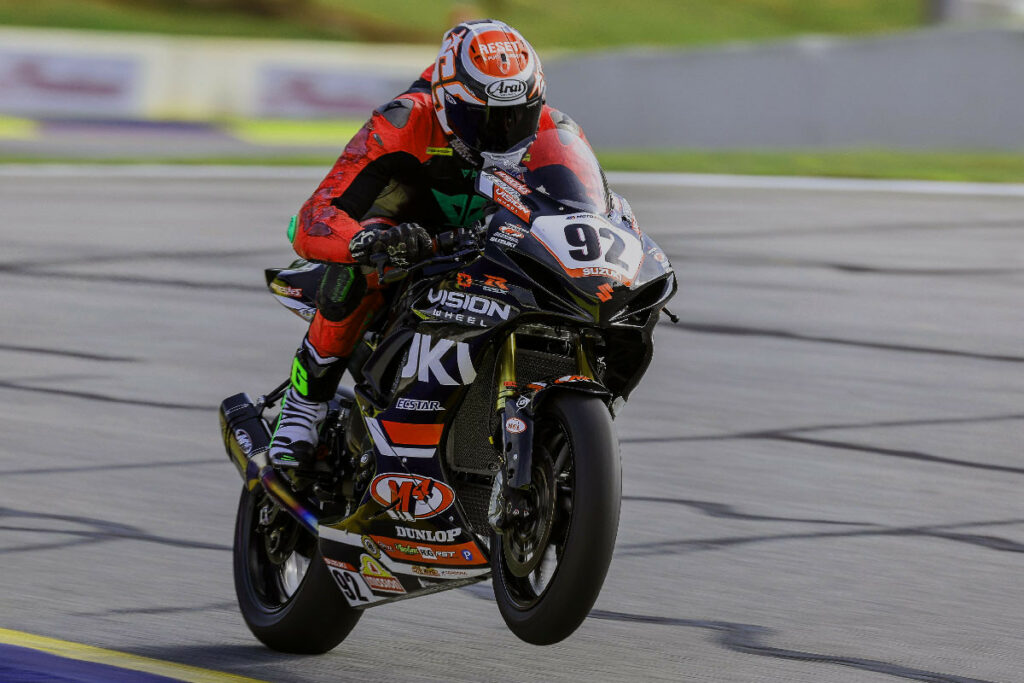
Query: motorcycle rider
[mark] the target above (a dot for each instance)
(414, 162)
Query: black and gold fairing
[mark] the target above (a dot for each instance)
(459, 346)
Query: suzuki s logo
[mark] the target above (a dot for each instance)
(508, 89)
(409, 497)
(427, 358)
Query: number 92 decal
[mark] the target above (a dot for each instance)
(587, 245)
(351, 583)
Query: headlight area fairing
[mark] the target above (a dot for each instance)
(584, 265)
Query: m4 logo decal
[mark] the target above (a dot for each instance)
(426, 359)
(408, 497)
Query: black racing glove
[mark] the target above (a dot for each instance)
(400, 246)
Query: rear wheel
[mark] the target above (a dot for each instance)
(549, 568)
(285, 591)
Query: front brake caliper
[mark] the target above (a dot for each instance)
(508, 502)
(517, 439)
(267, 514)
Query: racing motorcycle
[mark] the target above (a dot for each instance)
(476, 441)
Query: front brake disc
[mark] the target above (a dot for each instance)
(525, 540)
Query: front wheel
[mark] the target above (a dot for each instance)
(285, 591)
(548, 569)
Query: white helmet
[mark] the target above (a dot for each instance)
(487, 86)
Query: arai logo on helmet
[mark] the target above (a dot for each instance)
(508, 89)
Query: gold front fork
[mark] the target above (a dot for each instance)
(506, 372)
(507, 368)
(581, 359)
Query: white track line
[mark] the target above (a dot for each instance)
(618, 178)
(748, 182)
(162, 172)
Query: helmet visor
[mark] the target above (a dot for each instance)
(493, 128)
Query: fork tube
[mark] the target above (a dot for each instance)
(506, 371)
(581, 359)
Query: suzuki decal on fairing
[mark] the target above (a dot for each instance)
(426, 359)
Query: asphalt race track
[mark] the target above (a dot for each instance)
(822, 471)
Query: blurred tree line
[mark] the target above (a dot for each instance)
(323, 14)
(280, 8)
(266, 8)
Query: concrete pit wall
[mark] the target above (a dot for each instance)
(940, 88)
(927, 89)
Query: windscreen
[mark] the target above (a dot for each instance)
(562, 166)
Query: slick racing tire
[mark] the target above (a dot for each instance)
(286, 594)
(544, 592)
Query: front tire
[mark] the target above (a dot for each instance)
(575, 446)
(285, 592)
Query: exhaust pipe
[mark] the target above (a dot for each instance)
(247, 442)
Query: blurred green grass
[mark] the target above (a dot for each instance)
(954, 165)
(143, 17)
(586, 24)
(576, 24)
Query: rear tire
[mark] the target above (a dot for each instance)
(285, 592)
(581, 537)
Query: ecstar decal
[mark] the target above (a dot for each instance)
(418, 404)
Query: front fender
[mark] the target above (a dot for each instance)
(538, 391)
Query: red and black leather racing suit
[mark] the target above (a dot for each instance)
(400, 167)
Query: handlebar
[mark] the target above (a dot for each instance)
(453, 247)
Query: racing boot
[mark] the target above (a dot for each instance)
(314, 380)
